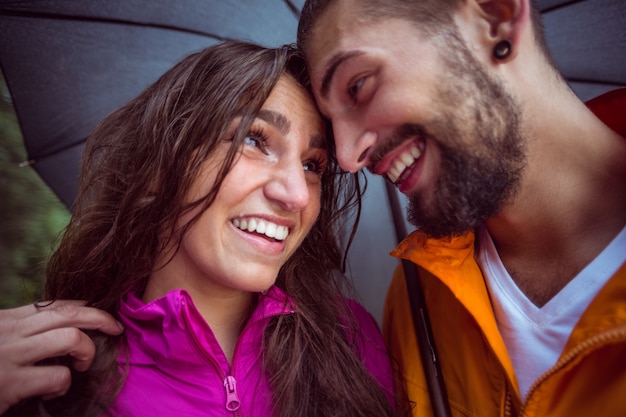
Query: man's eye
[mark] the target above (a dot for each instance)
(355, 87)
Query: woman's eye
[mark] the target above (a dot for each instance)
(257, 140)
(248, 140)
(316, 166)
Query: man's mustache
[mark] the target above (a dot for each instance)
(399, 136)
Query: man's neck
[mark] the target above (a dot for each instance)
(571, 204)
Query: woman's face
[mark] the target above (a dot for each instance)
(265, 207)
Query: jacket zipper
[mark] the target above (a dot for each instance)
(508, 407)
(230, 383)
(232, 399)
(571, 355)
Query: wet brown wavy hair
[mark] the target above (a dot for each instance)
(137, 167)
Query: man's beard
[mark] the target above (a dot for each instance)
(482, 150)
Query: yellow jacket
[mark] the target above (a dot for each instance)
(589, 379)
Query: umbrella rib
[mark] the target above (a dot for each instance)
(55, 16)
(559, 6)
(597, 82)
(33, 160)
(294, 9)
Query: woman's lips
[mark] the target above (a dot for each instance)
(262, 226)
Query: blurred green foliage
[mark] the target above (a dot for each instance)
(32, 215)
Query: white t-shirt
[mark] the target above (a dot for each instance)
(535, 336)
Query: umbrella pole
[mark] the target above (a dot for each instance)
(421, 322)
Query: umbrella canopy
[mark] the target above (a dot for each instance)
(69, 63)
(588, 42)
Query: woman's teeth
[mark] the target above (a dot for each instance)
(404, 160)
(269, 229)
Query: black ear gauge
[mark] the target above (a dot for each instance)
(502, 49)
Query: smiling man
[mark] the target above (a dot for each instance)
(516, 189)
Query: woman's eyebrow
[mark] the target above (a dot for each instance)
(277, 120)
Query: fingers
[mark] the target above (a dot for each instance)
(18, 313)
(45, 381)
(53, 343)
(64, 313)
(30, 334)
(30, 309)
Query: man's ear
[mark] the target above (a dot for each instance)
(507, 20)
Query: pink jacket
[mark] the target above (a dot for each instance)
(177, 368)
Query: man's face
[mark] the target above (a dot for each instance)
(422, 112)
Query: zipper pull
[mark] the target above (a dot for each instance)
(232, 400)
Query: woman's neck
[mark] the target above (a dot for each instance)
(227, 317)
(225, 310)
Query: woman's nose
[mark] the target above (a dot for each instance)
(353, 145)
(288, 186)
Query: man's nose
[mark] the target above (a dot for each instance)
(353, 145)
(288, 186)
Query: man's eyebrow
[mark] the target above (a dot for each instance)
(276, 119)
(333, 64)
(318, 142)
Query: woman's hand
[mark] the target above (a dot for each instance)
(31, 333)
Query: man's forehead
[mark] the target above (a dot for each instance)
(336, 39)
(331, 67)
(328, 37)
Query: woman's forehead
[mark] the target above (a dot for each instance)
(293, 105)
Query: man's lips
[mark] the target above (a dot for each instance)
(397, 164)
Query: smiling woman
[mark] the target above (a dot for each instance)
(206, 223)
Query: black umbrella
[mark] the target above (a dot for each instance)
(68, 63)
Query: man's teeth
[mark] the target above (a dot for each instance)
(269, 229)
(404, 160)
